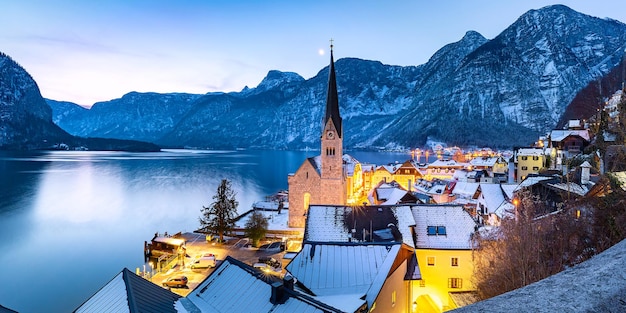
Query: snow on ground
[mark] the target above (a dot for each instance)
(276, 221)
(596, 285)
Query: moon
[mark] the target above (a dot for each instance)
(320, 51)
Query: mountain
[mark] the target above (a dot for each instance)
(590, 99)
(26, 119)
(500, 92)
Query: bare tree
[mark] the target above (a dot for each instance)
(220, 216)
(527, 248)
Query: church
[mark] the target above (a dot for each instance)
(322, 179)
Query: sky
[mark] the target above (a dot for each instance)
(90, 51)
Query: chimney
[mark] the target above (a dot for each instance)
(585, 174)
(288, 282)
(278, 293)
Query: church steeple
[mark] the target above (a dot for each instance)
(332, 100)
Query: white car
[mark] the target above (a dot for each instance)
(207, 260)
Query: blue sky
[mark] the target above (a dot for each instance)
(89, 51)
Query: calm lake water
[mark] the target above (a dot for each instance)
(70, 221)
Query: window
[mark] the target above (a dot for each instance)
(430, 261)
(535, 168)
(455, 283)
(373, 307)
(422, 283)
(454, 261)
(436, 230)
(524, 168)
(393, 298)
(535, 158)
(524, 158)
(431, 230)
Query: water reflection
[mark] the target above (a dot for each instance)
(85, 215)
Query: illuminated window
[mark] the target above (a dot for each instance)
(535, 158)
(535, 168)
(454, 261)
(422, 283)
(373, 307)
(455, 283)
(393, 298)
(430, 261)
(524, 168)
(524, 158)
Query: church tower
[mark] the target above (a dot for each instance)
(320, 180)
(332, 186)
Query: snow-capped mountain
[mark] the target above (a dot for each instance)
(500, 92)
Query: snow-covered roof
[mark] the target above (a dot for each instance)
(532, 180)
(560, 134)
(570, 187)
(126, 288)
(465, 189)
(492, 195)
(446, 163)
(596, 285)
(342, 269)
(387, 193)
(169, 240)
(529, 151)
(237, 287)
(342, 224)
(574, 124)
(484, 161)
(509, 189)
(506, 209)
(458, 223)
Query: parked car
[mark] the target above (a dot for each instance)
(206, 260)
(266, 268)
(176, 281)
(270, 261)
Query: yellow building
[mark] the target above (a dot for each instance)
(444, 255)
(528, 161)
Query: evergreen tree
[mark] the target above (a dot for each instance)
(220, 216)
(256, 228)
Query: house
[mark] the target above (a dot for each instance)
(383, 173)
(496, 166)
(443, 169)
(437, 190)
(127, 292)
(528, 161)
(490, 199)
(571, 141)
(356, 258)
(444, 253)
(390, 193)
(237, 287)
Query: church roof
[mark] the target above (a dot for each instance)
(332, 100)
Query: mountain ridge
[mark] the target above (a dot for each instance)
(500, 92)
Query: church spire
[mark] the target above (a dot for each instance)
(332, 100)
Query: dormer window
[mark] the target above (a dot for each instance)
(436, 230)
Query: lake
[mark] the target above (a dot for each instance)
(72, 220)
